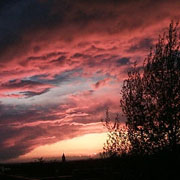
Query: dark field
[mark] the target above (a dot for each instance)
(162, 166)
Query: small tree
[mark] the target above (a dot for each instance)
(117, 143)
(151, 98)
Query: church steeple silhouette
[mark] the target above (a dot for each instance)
(63, 158)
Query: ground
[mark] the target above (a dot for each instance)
(154, 167)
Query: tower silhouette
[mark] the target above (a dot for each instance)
(63, 158)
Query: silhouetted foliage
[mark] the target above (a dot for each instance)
(151, 97)
(117, 143)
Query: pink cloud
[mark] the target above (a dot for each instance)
(75, 50)
(24, 87)
(101, 83)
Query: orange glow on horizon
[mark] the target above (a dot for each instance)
(85, 145)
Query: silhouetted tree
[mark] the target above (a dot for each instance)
(117, 143)
(151, 97)
(133, 106)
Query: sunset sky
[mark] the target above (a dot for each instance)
(62, 63)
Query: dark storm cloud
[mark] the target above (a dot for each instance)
(15, 84)
(15, 142)
(123, 61)
(80, 55)
(17, 139)
(24, 114)
(58, 79)
(28, 94)
(41, 18)
(101, 83)
(19, 17)
(46, 57)
(59, 60)
(26, 87)
(143, 44)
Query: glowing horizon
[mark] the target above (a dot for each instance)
(75, 147)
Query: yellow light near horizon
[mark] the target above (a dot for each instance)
(88, 144)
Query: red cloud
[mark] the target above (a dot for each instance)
(24, 87)
(83, 38)
(105, 29)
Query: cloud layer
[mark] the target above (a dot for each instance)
(62, 64)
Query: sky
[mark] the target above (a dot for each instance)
(62, 63)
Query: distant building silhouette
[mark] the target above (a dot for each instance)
(63, 158)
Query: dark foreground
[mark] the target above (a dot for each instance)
(128, 168)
